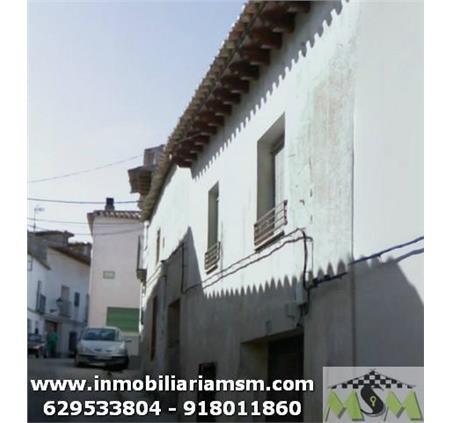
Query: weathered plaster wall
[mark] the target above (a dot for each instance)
(309, 87)
(315, 85)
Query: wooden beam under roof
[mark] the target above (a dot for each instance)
(204, 128)
(255, 55)
(245, 70)
(266, 37)
(186, 155)
(219, 107)
(188, 146)
(235, 84)
(198, 139)
(279, 19)
(226, 95)
(215, 120)
(298, 6)
(211, 118)
(182, 162)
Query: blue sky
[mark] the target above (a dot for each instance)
(106, 80)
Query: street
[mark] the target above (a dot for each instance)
(63, 368)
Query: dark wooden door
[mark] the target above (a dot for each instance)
(208, 371)
(285, 361)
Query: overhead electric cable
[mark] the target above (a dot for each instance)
(66, 175)
(46, 200)
(71, 222)
(128, 231)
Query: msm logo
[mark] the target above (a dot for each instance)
(372, 396)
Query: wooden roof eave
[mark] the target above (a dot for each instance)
(250, 41)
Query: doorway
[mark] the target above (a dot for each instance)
(207, 371)
(173, 347)
(73, 338)
(285, 361)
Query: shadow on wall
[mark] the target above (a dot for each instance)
(311, 28)
(389, 316)
(374, 304)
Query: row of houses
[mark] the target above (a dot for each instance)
(283, 219)
(57, 287)
(73, 284)
(280, 226)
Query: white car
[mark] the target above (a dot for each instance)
(103, 346)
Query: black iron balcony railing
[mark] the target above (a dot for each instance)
(212, 256)
(270, 225)
(141, 274)
(65, 308)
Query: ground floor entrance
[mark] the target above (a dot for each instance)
(285, 361)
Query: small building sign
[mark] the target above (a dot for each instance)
(109, 274)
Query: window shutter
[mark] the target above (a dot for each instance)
(126, 319)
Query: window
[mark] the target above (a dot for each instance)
(40, 299)
(157, 247)
(277, 156)
(41, 303)
(65, 306)
(213, 206)
(270, 177)
(141, 272)
(76, 299)
(65, 291)
(271, 202)
(153, 334)
(126, 319)
(29, 263)
(100, 334)
(213, 251)
(109, 274)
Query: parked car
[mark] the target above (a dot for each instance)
(36, 345)
(102, 346)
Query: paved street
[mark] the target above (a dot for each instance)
(65, 369)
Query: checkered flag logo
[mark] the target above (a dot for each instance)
(372, 379)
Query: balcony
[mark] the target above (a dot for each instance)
(212, 256)
(270, 225)
(65, 307)
(40, 303)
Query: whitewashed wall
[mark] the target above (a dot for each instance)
(340, 83)
(74, 274)
(388, 183)
(117, 253)
(37, 273)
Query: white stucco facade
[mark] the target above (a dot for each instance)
(113, 281)
(62, 283)
(36, 271)
(346, 90)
